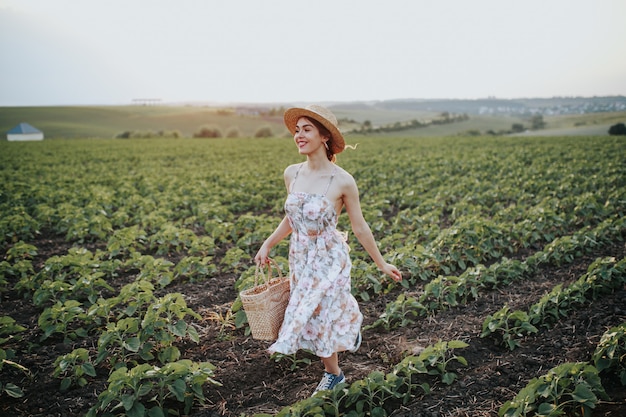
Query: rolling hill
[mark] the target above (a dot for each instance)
(568, 116)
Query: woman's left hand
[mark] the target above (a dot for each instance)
(392, 271)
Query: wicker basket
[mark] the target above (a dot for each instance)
(265, 303)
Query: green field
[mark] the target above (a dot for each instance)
(123, 259)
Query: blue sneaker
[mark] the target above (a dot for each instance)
(329, 381)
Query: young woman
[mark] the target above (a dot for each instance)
(322, 315)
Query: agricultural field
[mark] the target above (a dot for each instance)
(121, 262)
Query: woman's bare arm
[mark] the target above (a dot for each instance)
(361, 229)
(282, 230)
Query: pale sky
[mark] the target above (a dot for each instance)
(84, 52)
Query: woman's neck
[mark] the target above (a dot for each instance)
(317, 163)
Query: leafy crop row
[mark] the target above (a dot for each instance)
(572, 388)
(448, 291)
(376, 394)
(604, 276)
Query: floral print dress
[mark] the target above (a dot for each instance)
(322, 315)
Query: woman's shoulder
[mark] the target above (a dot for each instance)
(343, 177)
(292, 168)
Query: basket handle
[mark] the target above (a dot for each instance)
(259, 271)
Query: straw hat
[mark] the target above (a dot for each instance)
(336, 144)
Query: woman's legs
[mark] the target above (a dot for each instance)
(331, 364)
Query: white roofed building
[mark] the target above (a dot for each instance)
(24, 131)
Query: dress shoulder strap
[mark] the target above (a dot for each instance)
(295, 177)
(332, 175)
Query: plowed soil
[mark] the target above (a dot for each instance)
(253, 383)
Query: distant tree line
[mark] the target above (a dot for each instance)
(444, 118)
(207, 131)
(148, 134)
(536, 122)
(233, 132)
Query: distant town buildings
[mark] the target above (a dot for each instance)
(523, 106)
(557, 108)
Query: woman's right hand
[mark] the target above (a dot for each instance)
(392, 271)
(262, 256)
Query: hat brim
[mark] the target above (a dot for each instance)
(291, 117)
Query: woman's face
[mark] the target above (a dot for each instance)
(307, 137)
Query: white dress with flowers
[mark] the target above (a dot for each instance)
(322, 315)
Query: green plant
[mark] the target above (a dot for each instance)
(132, 300)
(294, 361)
(145, 390)
(610, 353)
(164, 321)
(22, 269)
(126, 240)
(366, 280)
(8, 387)
(84, 223)
(236, 260)
(18, 262)
(568, 389)
(132, 338)
(171, 238)
(508, 325)
(438, 357)
(65, 318)
(73, 367)
(86, 288)
(437, 294)
(155, 270)
(80, 274)
(120, 341)
(8, 330)
(552, 306)
(17, 224)
(400, 312)
(202, 246)
(195, 268)
(369, 395)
